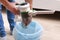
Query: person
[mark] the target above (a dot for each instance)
(8, 5)
(11, 7)
(10, 17)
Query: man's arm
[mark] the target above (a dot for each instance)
(30, 2)
(9, 6)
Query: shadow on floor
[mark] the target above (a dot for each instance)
(55, 16)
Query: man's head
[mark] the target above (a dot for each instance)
(26, 18)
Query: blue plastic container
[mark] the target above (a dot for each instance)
(32, 33)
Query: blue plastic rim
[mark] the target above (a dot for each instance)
(23, 36)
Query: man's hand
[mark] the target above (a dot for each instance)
(10, 6)
(30, 2)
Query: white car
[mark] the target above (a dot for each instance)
(45, 6)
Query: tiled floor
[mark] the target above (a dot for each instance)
(51, 28)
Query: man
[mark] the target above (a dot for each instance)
(11, 7)
(11, 17)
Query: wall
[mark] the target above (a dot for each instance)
(45, 4)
